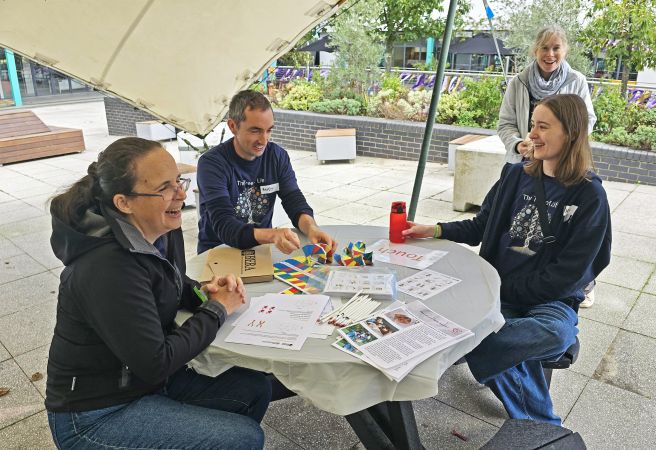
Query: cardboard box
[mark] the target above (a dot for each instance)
(253, 265)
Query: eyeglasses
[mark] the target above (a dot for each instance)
(169, 192)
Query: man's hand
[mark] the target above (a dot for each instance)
(228, 290)
(284, 239)
(416, 230)
(317, 236)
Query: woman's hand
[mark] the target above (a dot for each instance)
(228, 290)
(416, 230)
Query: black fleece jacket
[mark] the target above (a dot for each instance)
(115, 339)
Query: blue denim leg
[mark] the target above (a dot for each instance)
(509, 361)
(238, 390)
(160, 421)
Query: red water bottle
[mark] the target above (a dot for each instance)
(398, 222)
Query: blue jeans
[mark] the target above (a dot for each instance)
(192, 412)
(509, 361)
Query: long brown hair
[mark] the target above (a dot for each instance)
(112, 174)
(576, 156)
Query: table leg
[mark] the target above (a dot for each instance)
(387, 425)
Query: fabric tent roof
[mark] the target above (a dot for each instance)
(480, 44)
(179, 60)
(320, 45)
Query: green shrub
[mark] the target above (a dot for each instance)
(344, 106)
(301, 95)
(450, 107)
(610, 107)
(643, 137)
(392, 83)
(483, 100)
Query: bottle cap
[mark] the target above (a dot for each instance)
(398, 207)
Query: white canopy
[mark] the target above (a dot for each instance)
(180, 60)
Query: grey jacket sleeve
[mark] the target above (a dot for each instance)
(510, 116)
(581, 88)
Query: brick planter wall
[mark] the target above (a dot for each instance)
(400, 139)
(397, 139)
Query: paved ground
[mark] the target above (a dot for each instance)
(609, 395)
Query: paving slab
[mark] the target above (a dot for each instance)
(276, 441)
(609, 418)
(627, 272)
(37, 245)
(634, 246)
(619, 185)
(4, 354)
(30, 433)
(4, 197)
(428, 189)
(615, 197)
(327, 220)
(595, 339)
(612, 304)
(315, 186)
(320, 203)
(458, 389)
(437, 421)
(445, 196)
(566, 387)
(26, 292)
(8, 249)
(17, 267)
(380, 183)
(23, 400)
(27, 226)
(441, 210)
(637, 215)
(642, 319)
(308, 426)
(630, 364)
(356, 213)
(350, 193)
(651, 285)
(16, 211)
(33, 363)
(40, 202)
(26, 330)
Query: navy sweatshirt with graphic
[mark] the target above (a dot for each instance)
(508, 229)
(237, 196)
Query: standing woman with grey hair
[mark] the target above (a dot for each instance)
(548, 74)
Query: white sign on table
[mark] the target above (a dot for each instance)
(404, 254)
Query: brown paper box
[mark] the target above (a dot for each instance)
(252, 265)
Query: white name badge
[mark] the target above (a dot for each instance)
(270, 189)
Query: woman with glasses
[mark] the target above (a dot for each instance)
(117, 375)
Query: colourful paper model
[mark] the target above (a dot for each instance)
(321, 253)
(355, 254)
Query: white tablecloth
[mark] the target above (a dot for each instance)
(341, 384)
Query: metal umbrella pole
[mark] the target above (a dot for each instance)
(490, 16)
(428, 131)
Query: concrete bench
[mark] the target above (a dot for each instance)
(454, 144)
(478, 166)
(24, 136)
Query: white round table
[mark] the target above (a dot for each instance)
(341, 384)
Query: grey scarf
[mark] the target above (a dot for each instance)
(541, 88)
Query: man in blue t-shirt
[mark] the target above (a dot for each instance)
(240, 179)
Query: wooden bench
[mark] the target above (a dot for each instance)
(24, 136)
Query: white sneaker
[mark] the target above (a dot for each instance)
(589, 299)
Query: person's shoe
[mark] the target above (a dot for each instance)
(589, 299)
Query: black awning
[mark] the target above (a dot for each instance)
(480, 44)
(320, 45)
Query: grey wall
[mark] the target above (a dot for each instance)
(397, 139)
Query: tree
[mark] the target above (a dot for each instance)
(409, 20)
(523, 21)
(358, 50)
(624, 29)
